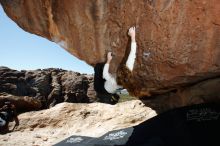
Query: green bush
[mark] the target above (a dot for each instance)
(126, 97)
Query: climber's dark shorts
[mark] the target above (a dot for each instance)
(108, 98)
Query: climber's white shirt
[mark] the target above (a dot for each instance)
(110, 84)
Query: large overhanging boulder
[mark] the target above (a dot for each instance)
(178, 40)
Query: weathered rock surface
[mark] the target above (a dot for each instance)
(38, 89)
(204, 92)
(181, 37)
(47, 127)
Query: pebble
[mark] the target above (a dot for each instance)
(45, 139)
(37, 136)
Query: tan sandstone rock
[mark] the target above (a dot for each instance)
(47, 127)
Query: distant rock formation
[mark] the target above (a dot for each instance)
(47, 127)
(39, 89)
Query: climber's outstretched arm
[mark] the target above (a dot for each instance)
(106, 75)
(132, 54)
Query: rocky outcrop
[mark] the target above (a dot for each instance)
(38, 89)
(178, 41)
(204, 92)
(47, 127)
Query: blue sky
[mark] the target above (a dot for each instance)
(21, 50)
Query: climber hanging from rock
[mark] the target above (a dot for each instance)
(105, 83)
(8, 114)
